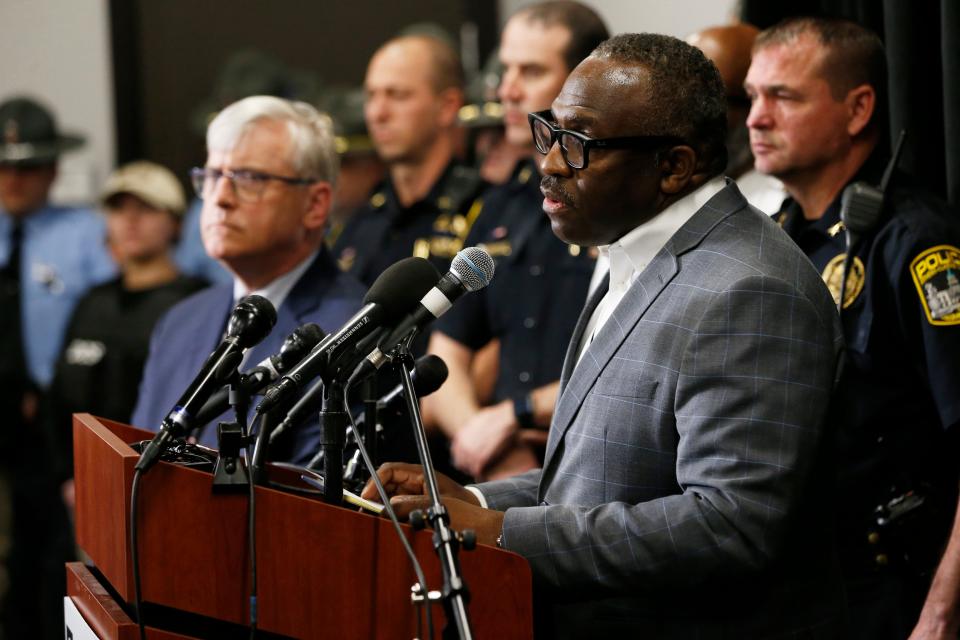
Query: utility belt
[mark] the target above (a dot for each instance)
(906, 533)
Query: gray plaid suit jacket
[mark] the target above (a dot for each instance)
(684, 491)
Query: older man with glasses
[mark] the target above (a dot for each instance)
(266, 188)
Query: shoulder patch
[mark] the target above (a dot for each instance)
(833, 274)
(936, 273)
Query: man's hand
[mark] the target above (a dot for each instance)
(486, 523)
(401, 479)
(484, 437)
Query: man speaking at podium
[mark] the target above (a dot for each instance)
(266, 189)
(684, 492)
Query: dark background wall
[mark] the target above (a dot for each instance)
(167, 55)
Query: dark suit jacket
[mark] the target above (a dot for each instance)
(186, 335)
(683, 492)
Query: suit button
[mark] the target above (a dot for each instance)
(524, 376)
(529, 323)
(536, 270)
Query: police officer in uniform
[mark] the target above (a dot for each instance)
(532, 304)
(414, 88)
(816, 86)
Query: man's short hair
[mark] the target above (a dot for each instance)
(446, 68)
(311, 132)
(586, 27)
(689, 102)
(854, 55)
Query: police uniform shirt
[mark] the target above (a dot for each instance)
(533, 302)
(63, 254)
(900, 391)
(384, 232)
(105, 348)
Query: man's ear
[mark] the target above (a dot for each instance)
(319, 201)
(451, 99)
(677, 166)
(861, 102)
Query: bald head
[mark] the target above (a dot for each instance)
(426, 54)
(729, 48)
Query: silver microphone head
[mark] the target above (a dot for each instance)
(474, 267)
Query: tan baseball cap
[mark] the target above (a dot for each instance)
(152, 183)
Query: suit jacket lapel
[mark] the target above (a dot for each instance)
(580, 377)
(585, 372)
(570, 360)
(303, 299)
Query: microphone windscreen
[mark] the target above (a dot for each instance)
(474, 267)
(401, 286)
(251, 320)
(431, 373)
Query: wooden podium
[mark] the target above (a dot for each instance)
(323, 571)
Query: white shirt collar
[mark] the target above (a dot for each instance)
(631, 254)
(278, 290)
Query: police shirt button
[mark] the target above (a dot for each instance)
(524, 376)
(882, 559)
(529, 323)
(536, 270)
(873, 538)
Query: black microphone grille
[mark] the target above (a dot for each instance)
(474, 267)
(251, 320)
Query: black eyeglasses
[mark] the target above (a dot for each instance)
(575, 146)
(247, 185)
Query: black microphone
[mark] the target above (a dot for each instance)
(390, 296)
(429, 373)
(251, 321)
(472, 269)
(294, 348)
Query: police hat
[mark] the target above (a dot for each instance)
(150, 182)
(29, 136)
(345, 107)
(483, 109)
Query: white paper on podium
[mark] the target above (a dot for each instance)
(75, 627)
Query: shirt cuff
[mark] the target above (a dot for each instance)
(480, 498)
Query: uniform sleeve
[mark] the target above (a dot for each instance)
(927, 282)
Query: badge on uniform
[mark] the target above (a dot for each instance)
(936, 272)
(833, 274)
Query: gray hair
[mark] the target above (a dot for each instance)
(311, 132)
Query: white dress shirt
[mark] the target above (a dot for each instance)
(631, 254)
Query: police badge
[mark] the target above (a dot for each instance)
(936, 273)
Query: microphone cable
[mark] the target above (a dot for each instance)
(421, 579)
(137, 597)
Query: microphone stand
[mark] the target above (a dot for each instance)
(333, 425)
(370, 400)
(446, 541)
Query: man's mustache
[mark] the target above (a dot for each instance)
(551, 188)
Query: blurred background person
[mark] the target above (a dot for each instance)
(361, 169)
(414, 89)
(531, 305)
(51, 255)
(729, 47)
(108, 337)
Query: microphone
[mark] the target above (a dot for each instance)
(250, 322)
(295, 346)
(472, 269)
(390, 296)
(429, 372)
